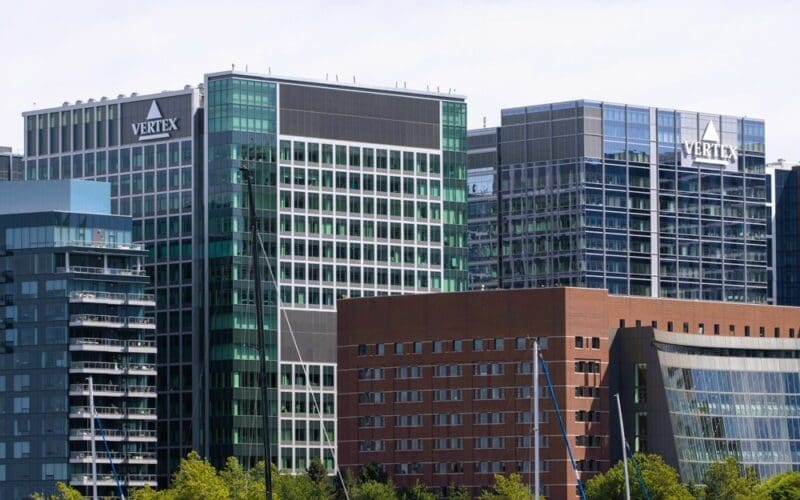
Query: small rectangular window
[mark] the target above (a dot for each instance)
(669, 326)
(654, 324)
(791, 333)
(417, 347)
(499, 344)
(398, 348)
(477, 345)
(732, 329)
(437, 346)
(777, 332)
(747, 331)
(457, 345)
(638, 322)
(595, 342)
(362, 349)
(579, 342)
(622, 323)
(762, 331)
(685, 327)
(701, 328)
(520, 343)
(716, 329)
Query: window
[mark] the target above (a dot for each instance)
(398, 348)
(777, 332)
(669, 326)
(587, 367)
(381, 349)
(685, 327)
(417, 347)
(499, 344)
(587, 392)
(457, 345)
(477, 345)
(579, 342)
(762, 331)
(437, 346)
(716, 328)
(520, 342)
(362, 349)
(747, 331)
(595, 342)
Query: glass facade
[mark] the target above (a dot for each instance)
(241, 128)
(748, 407)
(630, 199)
(73, 307)
(784, 221)
(153, 181)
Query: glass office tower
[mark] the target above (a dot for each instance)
(72, 308)
(641, 201)
(783, 180)
(11, 167)
(360, 191)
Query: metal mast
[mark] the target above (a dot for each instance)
(91, 429)
(536, 481)
(246, 172)
(624, 449)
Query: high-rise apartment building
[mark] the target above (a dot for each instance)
(637, 200)
(73, 308)
(359, 190)
(11, 168)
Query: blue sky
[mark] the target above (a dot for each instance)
(737, 58)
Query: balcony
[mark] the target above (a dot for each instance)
(140, 479)
(99, 244)
(144, 322)
(86, 479)
(85, 457)
(141, 436)
(99, 390)
(137, 369)
(142, 414)
(141, 299)
(104, 412)
(97, 367)
(108, 271)
(141, 391)
(86, 297)
(115, 435)
(94, 344)
(97, 320)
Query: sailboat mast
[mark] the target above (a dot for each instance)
(624, 449)
(536, 472)
(91, 430)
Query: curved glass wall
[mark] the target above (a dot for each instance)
(747, 406)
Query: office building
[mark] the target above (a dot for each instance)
(437, 388)
(360, 191)
(640, 201)
(784, 250)
(11, 168)
(73, 307)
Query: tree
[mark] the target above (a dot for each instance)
(319, 476)
(242, 485)
(65, 492)
(417, 492)
(374, 490)
(661, 481)
(785, 486)
(508, 488)
(373, 472)
(458, 493)
(148, 493)
(196, 479)
(730, 480)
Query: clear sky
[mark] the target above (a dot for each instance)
(731, 57)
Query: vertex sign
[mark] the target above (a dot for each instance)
(710, 149)
(155, 125)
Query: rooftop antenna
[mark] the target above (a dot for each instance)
(395, 84)
(404, 84)
(246, 68)
(269, 70)
(337, 77)
(326, 77)
(233, 67)
(428, 88)
(354, 78)
(484, 122)
(437, 89)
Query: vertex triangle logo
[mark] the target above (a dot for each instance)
(155, 112)
(155, 125)
(710, 149)
(709, 135)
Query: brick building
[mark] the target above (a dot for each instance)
(437, 388)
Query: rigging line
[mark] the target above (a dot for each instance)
(305, 370)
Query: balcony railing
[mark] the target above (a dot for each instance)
(114, 434)
(98, 244)
(96, 367)
(100, 389)
(113, 345)
(143, 298)
(102, 270)
(100, 411)
(97, 297)
(141, 412)
(107, 321)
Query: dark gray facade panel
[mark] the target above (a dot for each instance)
(358, 129)
(359, 116)
(315, 332)
(512, 152)
(176, 107)
(476, 160)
